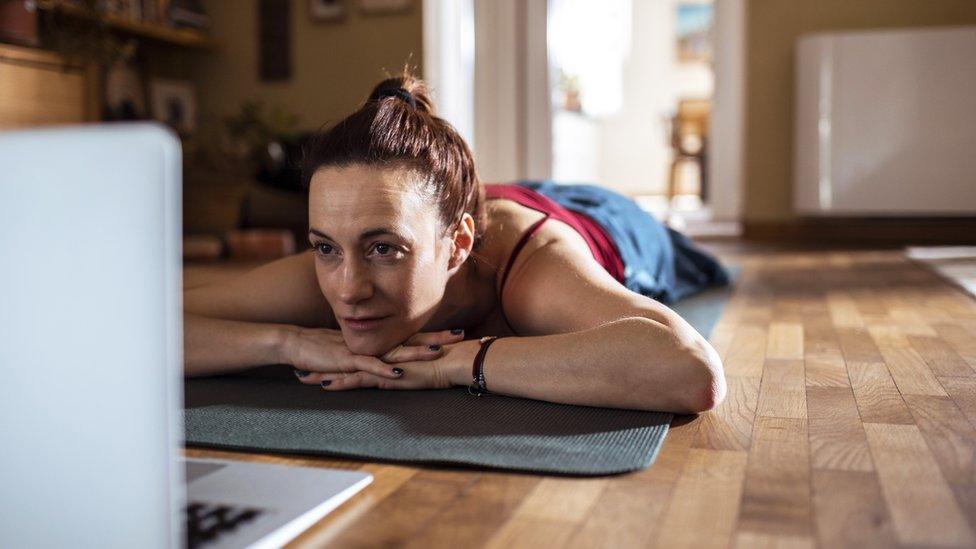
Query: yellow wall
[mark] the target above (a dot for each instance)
(772, 26)
(334, 65)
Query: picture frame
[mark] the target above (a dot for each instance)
(326, 11)
(125, 97)
(694, 23)
(174, 102)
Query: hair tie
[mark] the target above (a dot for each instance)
(398, 92)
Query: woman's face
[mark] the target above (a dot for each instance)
(381, 256)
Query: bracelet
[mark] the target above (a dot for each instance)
(478, 387)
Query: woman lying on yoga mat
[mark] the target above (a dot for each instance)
(414, 261)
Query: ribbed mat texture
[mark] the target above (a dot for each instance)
(266, 409)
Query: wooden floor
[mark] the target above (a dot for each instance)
(850, 421)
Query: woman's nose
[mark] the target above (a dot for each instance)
(354, 282)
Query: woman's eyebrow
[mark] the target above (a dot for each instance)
(365, 234)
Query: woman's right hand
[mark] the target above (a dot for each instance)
(316, 351)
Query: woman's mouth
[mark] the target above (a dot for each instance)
(363, 324)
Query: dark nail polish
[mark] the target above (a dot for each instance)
(457, 331)
(398, 371)
(326, 382)
(301, 373)
(433, 348)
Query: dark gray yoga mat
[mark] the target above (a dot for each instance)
(266, 409)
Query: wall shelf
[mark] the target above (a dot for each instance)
(187, 38)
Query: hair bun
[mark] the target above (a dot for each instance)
(411, 90)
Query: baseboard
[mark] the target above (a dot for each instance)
(865, 231)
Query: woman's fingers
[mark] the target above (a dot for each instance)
(315, 378)
(411, 353)
(374, 366)
(423, 346)
(350, 364)
(358, 380)
(416, 375)
(436, 338)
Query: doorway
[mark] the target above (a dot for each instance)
(631, 102)
(641, 96)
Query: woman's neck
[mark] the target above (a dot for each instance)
(468, 298)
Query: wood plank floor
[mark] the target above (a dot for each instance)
(850, 421)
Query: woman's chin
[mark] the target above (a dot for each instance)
(367, 344)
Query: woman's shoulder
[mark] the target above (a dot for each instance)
(508, 222)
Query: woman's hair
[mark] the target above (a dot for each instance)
(397, 128)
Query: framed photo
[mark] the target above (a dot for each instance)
(326, 10)
(175, 103)
(124, 93)
(377, 7)
(694, 32)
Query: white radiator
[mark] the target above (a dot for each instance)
(885, 123)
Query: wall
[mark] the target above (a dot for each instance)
(334, 65)
(728, 118)
(512, 125)
(772, 27)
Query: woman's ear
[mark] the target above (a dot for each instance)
(462, 241)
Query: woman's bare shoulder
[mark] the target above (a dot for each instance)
(508, 222)
(284, 291)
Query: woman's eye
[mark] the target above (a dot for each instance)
(324, 249)
(386, 251)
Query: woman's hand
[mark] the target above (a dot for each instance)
(451, 367)
(316, 353)
(423, 346)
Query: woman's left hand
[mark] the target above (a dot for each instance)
(453, 367)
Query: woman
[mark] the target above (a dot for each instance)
(416, 268)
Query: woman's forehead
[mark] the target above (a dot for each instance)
(328, 177)
(356, 195)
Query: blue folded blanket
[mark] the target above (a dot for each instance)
(659, 262)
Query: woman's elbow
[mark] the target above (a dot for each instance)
(699, 385)
(709, 387)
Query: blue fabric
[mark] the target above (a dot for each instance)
(659, 262)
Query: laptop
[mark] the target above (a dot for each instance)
(91, 360)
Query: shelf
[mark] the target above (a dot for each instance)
(187, 38)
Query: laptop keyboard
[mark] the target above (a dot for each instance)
(206, 522)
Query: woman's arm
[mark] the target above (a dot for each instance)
(586, 340)
(284, 291)
(245, 321)
(610, 346)
(215, 346)
(632, 363)
(276, 314)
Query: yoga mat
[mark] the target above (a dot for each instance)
(267, 410)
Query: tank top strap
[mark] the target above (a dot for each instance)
(511, 261)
